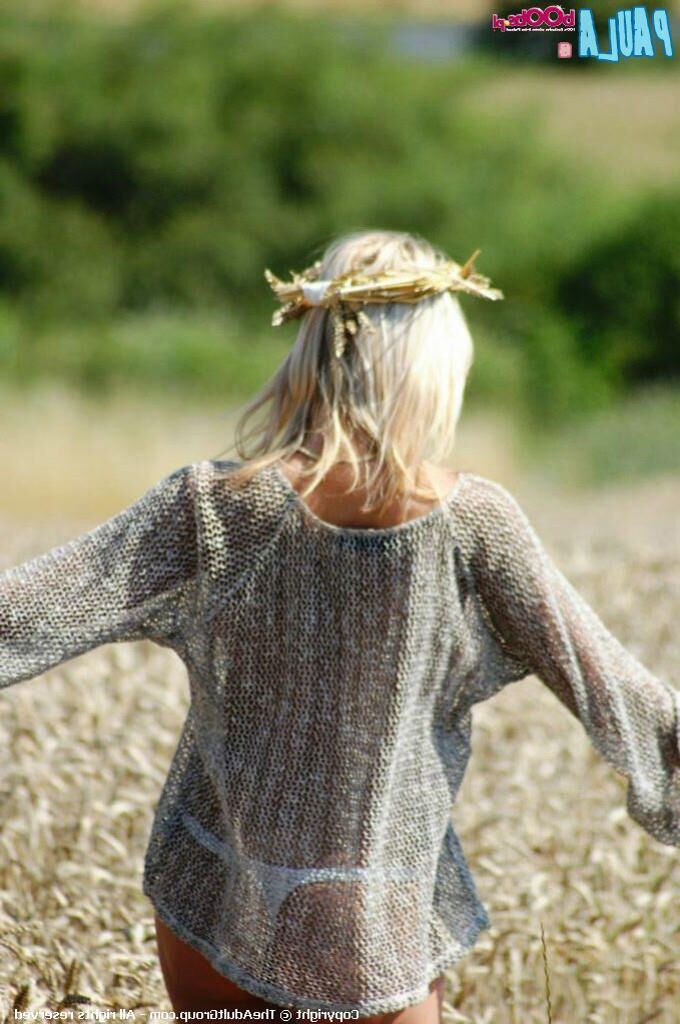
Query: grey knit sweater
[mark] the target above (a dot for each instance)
(303, 841)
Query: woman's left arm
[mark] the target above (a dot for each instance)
(125, 579)
(631, 716)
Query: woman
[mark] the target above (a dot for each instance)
(341, 602)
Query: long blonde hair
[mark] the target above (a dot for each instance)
(394, 395)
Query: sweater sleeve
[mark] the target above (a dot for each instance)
(126, 579)
(631, 716)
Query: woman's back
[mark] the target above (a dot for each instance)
(330, 503)
(323, 748)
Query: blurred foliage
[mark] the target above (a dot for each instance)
(152, 166)
(170, 157)
(198, 353)
(623, 294)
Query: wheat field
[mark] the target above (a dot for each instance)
(583, 903)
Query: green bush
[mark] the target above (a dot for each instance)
(623, 295)
(152, 166)
(198, 354)
(170, 157)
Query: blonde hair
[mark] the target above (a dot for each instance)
(393, 398)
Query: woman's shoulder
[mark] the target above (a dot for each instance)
(487, 493)
(490, 511)
(215, 467)
(207, 472)
(248, 500)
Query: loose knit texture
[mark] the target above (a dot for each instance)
(302, 841)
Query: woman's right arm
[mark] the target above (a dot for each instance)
(126, 579)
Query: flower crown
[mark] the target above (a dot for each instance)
(306, 290)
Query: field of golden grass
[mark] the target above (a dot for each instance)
(542, 818)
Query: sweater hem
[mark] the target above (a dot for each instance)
(264, 990)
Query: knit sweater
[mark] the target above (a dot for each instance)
(303, 841)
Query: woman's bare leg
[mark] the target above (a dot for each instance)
(194, 984)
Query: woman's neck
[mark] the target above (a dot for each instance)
(328, 501)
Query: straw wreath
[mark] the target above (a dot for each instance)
(306, 290)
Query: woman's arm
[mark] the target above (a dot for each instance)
(124, 580)
(631, 716)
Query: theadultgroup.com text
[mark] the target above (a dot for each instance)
(185, 1016)
(270, 1014)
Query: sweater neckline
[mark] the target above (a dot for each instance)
(409, 525)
